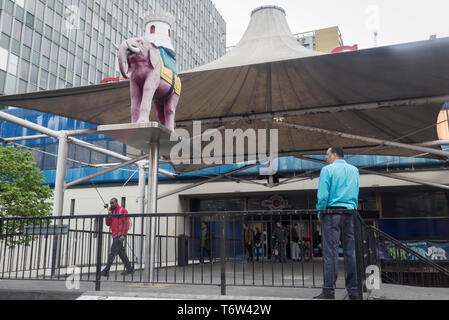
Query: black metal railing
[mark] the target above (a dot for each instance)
(53, 248)
(400, 264)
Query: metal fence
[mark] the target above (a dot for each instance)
(54, 248)
(399, 264)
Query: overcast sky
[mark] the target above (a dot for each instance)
(396, 21)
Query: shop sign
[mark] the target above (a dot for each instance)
(276, 202)
(345, 48)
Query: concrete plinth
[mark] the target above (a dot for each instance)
(141, 135)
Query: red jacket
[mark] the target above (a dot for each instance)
(119, 226)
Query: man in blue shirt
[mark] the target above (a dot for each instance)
(338, 188)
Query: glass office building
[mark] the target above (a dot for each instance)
(53, 44)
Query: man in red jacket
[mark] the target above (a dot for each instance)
(119, 229)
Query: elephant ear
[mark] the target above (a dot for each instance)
(155, 56)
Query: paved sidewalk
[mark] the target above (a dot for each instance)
(56, 290)
(15, 289)
(396, 292)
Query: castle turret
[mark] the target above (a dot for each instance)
(158, 29)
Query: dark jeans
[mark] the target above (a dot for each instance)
(202, 251)
(258, 249)
(117, 248)
(282, 250)
(249, 249)
(332, 226)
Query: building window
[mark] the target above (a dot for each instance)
(123, 202)
(46, 46)
(44, 79)
(12, 65)
(24, 69)
(3, 59)
(28, 36)
(6, 25)
(415, 204)
(10, 84)
(2, 80)
(17, 30)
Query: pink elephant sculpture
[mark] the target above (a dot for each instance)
(146, 85)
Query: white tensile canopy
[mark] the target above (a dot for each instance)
(269, 80)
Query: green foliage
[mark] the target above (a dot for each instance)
(22, 193)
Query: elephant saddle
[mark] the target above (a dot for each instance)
(168, 75)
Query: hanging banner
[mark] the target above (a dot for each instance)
(427, 249)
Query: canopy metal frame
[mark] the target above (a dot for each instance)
(65, 137)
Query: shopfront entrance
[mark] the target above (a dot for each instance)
(308, 226)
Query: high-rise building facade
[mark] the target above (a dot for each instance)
(323, 40)
(53, 44)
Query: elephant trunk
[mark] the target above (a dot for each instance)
(122, 56)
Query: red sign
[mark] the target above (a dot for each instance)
(345, 48)
(113, 80)
(276, 202)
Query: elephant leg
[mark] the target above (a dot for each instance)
(160, 111)
(149, 89)
(170, 110)
(136, 100)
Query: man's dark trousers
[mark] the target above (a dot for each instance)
(332, 226)
(249, 248)
(117, 248)
(203, 250)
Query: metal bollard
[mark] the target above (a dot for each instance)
(223, 255)
(99, 223)
(359, 253)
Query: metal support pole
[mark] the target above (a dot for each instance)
(23, 138)
(97, 174)
(197, 184)
(99, 224)
(441, 153)
(359, 254)
(384, 174)
(61, 168)
(141, 188)
(223, 254)
(58, 203)
(298, 111)
(141, 206)
(150, 254)
(48, 133)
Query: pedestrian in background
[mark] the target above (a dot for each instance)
(205, 243)
(248, 239)
(280, 242)
(258, 242)
(294, 243)
(338, 188)
(119, 229)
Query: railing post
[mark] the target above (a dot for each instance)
(99, 251)
(223, 254)
(359, 254)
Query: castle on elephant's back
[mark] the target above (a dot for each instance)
(54, 45)
(158, 30)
